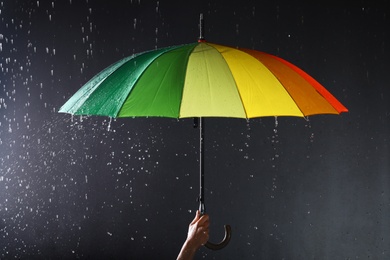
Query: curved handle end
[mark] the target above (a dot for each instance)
(223, 243)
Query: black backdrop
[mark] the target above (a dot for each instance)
(91, 187)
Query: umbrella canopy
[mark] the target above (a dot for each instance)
(202, 79)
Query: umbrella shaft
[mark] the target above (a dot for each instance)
(201, 28)
(201, 166)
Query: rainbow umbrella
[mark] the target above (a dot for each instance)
(202, 80)
(198, 80)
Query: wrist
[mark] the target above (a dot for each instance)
(187, 251)
(191, 246)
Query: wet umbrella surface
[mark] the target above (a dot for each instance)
(95, 187)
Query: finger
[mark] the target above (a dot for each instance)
(206, 224)
(203, 219)
(197, 216)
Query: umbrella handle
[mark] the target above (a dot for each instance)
(223, 243)
(228, 230)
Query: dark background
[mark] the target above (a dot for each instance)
(91, 187)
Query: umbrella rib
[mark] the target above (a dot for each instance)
(288, 93)
(83, 94)
(317, 86)
(275, 77)
(185, 74)
(235, 82)
(150, 62)
(283, 87)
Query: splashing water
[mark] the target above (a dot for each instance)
(275, 142)
(109, 124)
(248, 137)
(308, 125)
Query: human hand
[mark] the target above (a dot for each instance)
(198, 235)
(198, 231)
